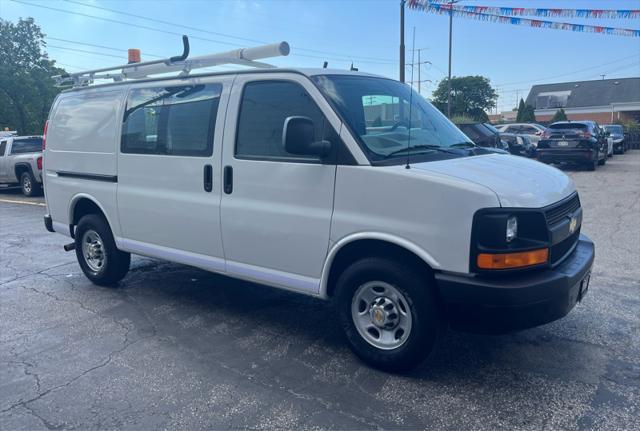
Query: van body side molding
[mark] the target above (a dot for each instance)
(256, 274)
(85, 176)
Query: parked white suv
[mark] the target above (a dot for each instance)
(336, 184)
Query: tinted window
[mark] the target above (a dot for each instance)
(529, 130)
(3, 146)
(614, 129)
(265, 106)
(512, 129)
(176, 121)
(508, 139)
(28, 145)
(579, 126)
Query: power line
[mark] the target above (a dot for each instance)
(87, 52)
(100, 46)
(159, 21)
(346, 58)
(568, 73)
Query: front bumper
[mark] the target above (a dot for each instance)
(575, 155)
(515, 302)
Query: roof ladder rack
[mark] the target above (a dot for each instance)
(179, 63)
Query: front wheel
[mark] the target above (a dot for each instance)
(30, 187)
(97, 254)
(389, 313)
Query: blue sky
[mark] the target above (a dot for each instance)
(340, 31)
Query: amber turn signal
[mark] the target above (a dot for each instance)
(513, 260)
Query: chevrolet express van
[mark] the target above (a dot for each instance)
(335, 184)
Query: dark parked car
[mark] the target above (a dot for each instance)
(482, 134)
(581, 142)
(617, 134)
(519, 145)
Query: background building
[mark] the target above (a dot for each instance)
(603, 100)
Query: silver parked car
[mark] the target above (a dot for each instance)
(531, 130)
(21, 163)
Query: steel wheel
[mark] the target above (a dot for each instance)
(93, 250)
(26, 184)
(381, 314)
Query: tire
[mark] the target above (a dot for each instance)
(593, 165)
(100, 260)
(29, 186)
(418, 315)
(603, 161)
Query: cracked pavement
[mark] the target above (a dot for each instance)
(174, 347)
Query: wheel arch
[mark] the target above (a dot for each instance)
(21, 168)
(365, 244)
(82, 204)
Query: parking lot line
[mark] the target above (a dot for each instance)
(11, 201)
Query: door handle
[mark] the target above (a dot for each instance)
(228, 180)
(208, 178)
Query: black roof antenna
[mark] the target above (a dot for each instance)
(325, 64)
(353, 69)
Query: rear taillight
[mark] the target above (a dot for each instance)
(44, 135)
(546, 134)
(585, 134)
(39, 162)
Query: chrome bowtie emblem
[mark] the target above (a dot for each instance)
(573, 224)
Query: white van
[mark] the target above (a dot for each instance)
(335, 184)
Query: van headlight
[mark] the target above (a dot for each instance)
(512, 228)
(508, 238)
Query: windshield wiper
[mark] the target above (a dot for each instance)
(431, 147)
(414, 147)
(465, 144)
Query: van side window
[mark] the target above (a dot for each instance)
(3, 147)
(264, 107)
(178, 120)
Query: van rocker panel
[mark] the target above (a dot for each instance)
(507, 303)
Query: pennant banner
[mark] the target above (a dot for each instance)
(544, 12)
(504, 19)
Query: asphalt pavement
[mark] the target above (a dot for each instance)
(175, 347)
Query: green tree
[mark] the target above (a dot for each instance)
(471, 96)
(521, 109)
(526, 113)
(529, 114)
(559, 116)
(26, 87)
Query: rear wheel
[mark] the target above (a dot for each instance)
(29, 185)
(97, 254)
(389, 313)
(603, 161)
(593, 165)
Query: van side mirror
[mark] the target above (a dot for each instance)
(298, 137)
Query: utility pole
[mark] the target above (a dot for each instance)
(419, 71)
(451, 3)
(419, 64)
(402, 40)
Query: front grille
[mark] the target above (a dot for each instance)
(555, 214)
(560, 250)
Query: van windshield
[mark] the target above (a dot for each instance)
(389, 118)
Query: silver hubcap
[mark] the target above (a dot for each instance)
(381, 315)
(26, 184)
(93, 250)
